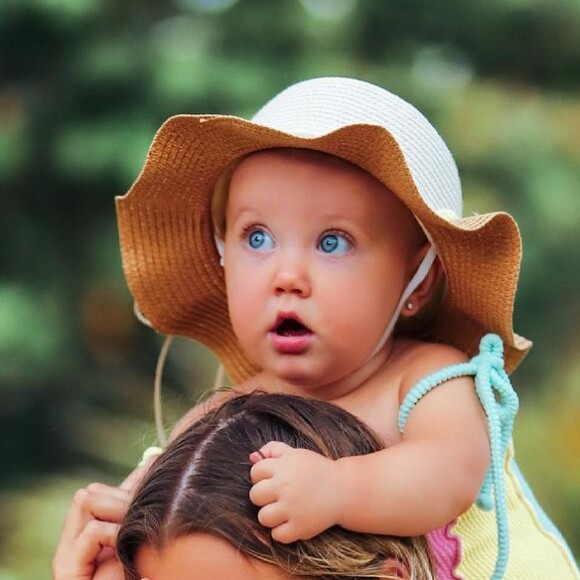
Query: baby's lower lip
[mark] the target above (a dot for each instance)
(291, 343)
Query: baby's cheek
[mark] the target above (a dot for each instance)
(357, 316)
(242, 317)
(248, 320)
(240, 298)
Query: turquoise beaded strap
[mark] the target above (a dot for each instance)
(487, 368)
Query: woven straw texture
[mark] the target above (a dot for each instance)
(169, 256)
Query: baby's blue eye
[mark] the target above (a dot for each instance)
(260, 240)
(334, 244)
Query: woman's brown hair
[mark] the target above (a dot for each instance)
(201, 484)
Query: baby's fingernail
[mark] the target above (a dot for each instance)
(257, 456)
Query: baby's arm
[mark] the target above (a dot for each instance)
(415, 486)
(430, 477)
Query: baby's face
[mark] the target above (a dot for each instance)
(203, 557)
(317, 254)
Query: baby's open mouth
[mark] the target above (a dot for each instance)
(289, 335)
(287, 326)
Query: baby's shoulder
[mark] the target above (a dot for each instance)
(419, 359)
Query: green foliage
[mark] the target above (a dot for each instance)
(84, 86)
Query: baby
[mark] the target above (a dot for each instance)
(319, 250)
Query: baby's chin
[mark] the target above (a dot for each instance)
(303, 380)
(290, 380)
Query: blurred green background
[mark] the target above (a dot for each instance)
(84, 84)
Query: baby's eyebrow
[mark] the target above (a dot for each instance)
(244, 215)
(240, 212)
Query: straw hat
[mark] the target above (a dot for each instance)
(169, 255)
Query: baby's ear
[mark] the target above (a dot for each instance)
(395, 569)
(430, 281)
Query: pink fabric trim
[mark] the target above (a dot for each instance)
(446, 548)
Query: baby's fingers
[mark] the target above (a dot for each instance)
(270, 450)
(262, 470)
(263, 493)
(272, 515)
(286, 533)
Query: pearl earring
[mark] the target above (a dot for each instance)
(410, 305)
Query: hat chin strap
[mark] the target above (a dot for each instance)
(220, 247)
(417, 278)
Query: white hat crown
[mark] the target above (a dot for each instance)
(319, 106)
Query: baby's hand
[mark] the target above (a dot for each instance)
(298, 491)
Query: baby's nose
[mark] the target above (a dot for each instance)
(292, 277)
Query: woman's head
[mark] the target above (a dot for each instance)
(199, 488)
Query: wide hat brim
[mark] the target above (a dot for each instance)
(172, 266)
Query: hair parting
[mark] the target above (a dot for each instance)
(200, 484)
